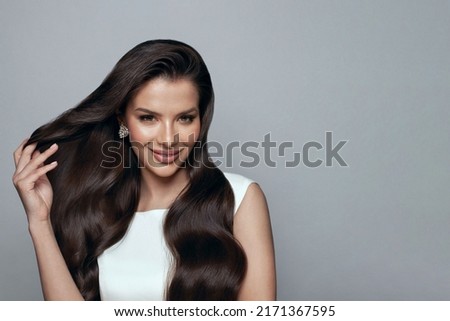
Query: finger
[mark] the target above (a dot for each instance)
(36, 153)
(25, 156)
(18, 152)
(38, 160)
(27, 183)
(43, 170)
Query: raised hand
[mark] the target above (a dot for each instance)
(31, 181)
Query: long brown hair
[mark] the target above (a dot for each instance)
(93, 204)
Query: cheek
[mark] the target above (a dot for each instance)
(192, 135)
(139, 133)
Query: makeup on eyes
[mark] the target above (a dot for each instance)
(186, 116)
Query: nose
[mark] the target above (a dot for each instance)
(167, 136)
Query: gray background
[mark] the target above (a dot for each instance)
(375, 73)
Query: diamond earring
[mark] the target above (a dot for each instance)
(123, 131)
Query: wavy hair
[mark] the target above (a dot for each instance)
(93, 205)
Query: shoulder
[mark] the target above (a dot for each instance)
(237, 179)
(249, 197)
(240, 185)
(253, 207)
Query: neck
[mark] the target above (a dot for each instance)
(160, 192)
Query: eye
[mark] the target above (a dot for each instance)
(187, 118)
(147, 117)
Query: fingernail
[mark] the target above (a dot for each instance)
(53, 146)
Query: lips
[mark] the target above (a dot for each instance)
(165, 156)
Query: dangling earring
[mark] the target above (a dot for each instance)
(123, 131)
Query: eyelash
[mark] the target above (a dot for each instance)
(146, 117)
(187, 118)
(184, 119)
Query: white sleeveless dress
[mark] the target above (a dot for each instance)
(136, 267)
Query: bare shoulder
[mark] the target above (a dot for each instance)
(252, 228)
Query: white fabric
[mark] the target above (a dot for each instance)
(137, 266)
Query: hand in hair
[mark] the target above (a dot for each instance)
(31, 181)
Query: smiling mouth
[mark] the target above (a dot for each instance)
(165, 156)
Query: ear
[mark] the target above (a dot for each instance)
(121, 119)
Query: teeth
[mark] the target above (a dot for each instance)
(165, 157)
(167, 154)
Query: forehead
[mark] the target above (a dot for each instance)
(165, 95)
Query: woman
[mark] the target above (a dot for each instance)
(123, 201)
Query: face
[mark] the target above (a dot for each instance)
(164, 123)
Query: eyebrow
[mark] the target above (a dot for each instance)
(145, 110)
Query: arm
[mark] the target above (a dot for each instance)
(56, 280)
(253, 230)
(35, 191)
